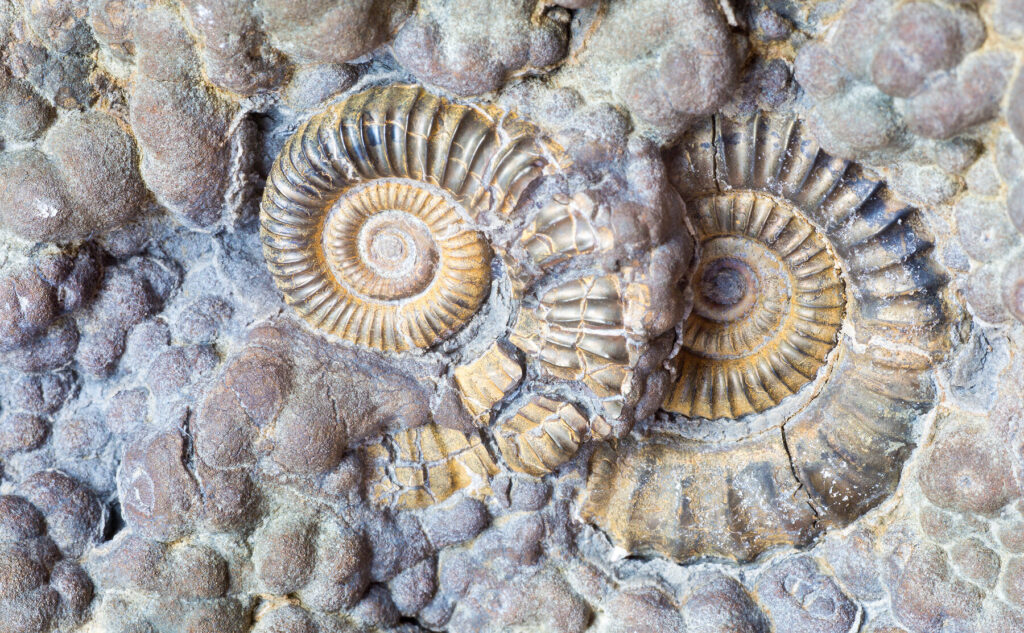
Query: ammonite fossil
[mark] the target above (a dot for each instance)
(818, 313)
(368, 212)
(541, 435)
(768, 305)
(387, 220)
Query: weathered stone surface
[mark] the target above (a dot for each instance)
(798, 596)
(382, 316)
(970, 472)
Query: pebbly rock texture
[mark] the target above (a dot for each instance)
(575, 316)
(918, 70)
(185, 158)
(470, 48)
(83, 180)
(331, 31)
(666, 63)
(42, 588)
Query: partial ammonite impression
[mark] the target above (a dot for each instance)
(368, 214)
(818, 315)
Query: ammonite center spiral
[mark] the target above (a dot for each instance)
(366, 219)
(767, 307)
(393, 241)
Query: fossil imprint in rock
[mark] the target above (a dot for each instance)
(818, 315)
(383, 221)
(768, 305)
(367, 216)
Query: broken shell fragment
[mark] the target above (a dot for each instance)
(541, 435)
(486, 381)
(577, 333)
(421, 466)
(563, 230)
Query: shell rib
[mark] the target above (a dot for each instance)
(486, 381)
(769, 302)
(367, 217)
(577, 333)
(426, 465)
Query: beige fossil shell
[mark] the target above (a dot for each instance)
(541, 435)
(679, 498)
(367, 217)
(486, 380)
(842, 306)
(563, 229)
(426, 465)
(768, 304)
(577, 333)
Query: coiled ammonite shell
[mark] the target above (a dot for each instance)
(818, 315)
(768, 304)
(367, 216)
(384, 219)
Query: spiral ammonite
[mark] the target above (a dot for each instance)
(367, 216)
(768, 304)
(818, 315)
(383, 220)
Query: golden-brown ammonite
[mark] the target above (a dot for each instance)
(768, 304)
(804, 365)
(367, 219)
(386, 221)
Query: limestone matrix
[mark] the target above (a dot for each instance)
(553, 316)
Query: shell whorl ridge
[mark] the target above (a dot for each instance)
(768, 306)
(367, 216)
(427, 464)
(808, 263)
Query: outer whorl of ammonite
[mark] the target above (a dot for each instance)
(807, 262)
(367, 216)
(421, 466)
(768, 304)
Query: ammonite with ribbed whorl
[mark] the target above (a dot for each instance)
(768, 304)
(818, 313)
(367, 216)
(385, 217)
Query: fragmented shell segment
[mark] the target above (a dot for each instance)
(541, 435)
(683, 499)
(366, 218)
(577, 333)
(487, 380)
(768, 304)
(563, 229)
(427, 464)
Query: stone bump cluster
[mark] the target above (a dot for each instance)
(546, 316)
